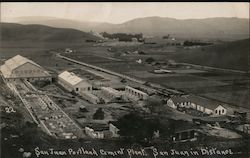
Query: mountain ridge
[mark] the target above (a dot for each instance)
(229, 28)
(36, 32)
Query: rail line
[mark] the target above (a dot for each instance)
(159, 88)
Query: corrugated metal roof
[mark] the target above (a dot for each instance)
(70, 78)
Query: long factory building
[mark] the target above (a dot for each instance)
(22, 68)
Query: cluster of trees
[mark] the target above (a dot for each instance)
(134, 126)
(99, 114)
(154, 105)
(137, 128)
(122, 36)
(150, 60)
(191, 43)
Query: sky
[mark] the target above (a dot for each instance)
(121, 12)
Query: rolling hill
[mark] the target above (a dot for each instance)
(39, 33)
(216, 28)
(229, 55)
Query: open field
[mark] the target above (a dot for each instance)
(226, 87)
(49, 118)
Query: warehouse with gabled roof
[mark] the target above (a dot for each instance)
(72, 82)
(19, 67)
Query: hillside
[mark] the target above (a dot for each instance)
(39, 33)
(223, 28)
(59, 23)
(230, 55)
(220, 28)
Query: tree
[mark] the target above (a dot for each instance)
(134, 126)
(153, 105)
(141, 53)
(99, 114)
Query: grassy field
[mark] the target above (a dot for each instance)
(229, 55)
(231, 88)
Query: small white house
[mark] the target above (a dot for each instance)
(139, 61)
(71, 82)
(220, 110)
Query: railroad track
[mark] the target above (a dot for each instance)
(157, 87)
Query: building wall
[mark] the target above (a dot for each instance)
(29, 70)
(65, 85)
(114, 130)
(188, 135)
(191, 105)
(94, 134)
(185, 104)
(208, 111)
(110, 95)
(82, 86)
(171, 104)
(32, 79)
(85, 86)
(220, 110)
(90, 97)
(135, 94)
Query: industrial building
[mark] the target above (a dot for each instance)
(135, 94)
(110, 93)
(72, 82)
(187, 132)
(21, 68)
(90, 97)
(198, 103)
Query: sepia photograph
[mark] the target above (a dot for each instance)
(124, 80)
